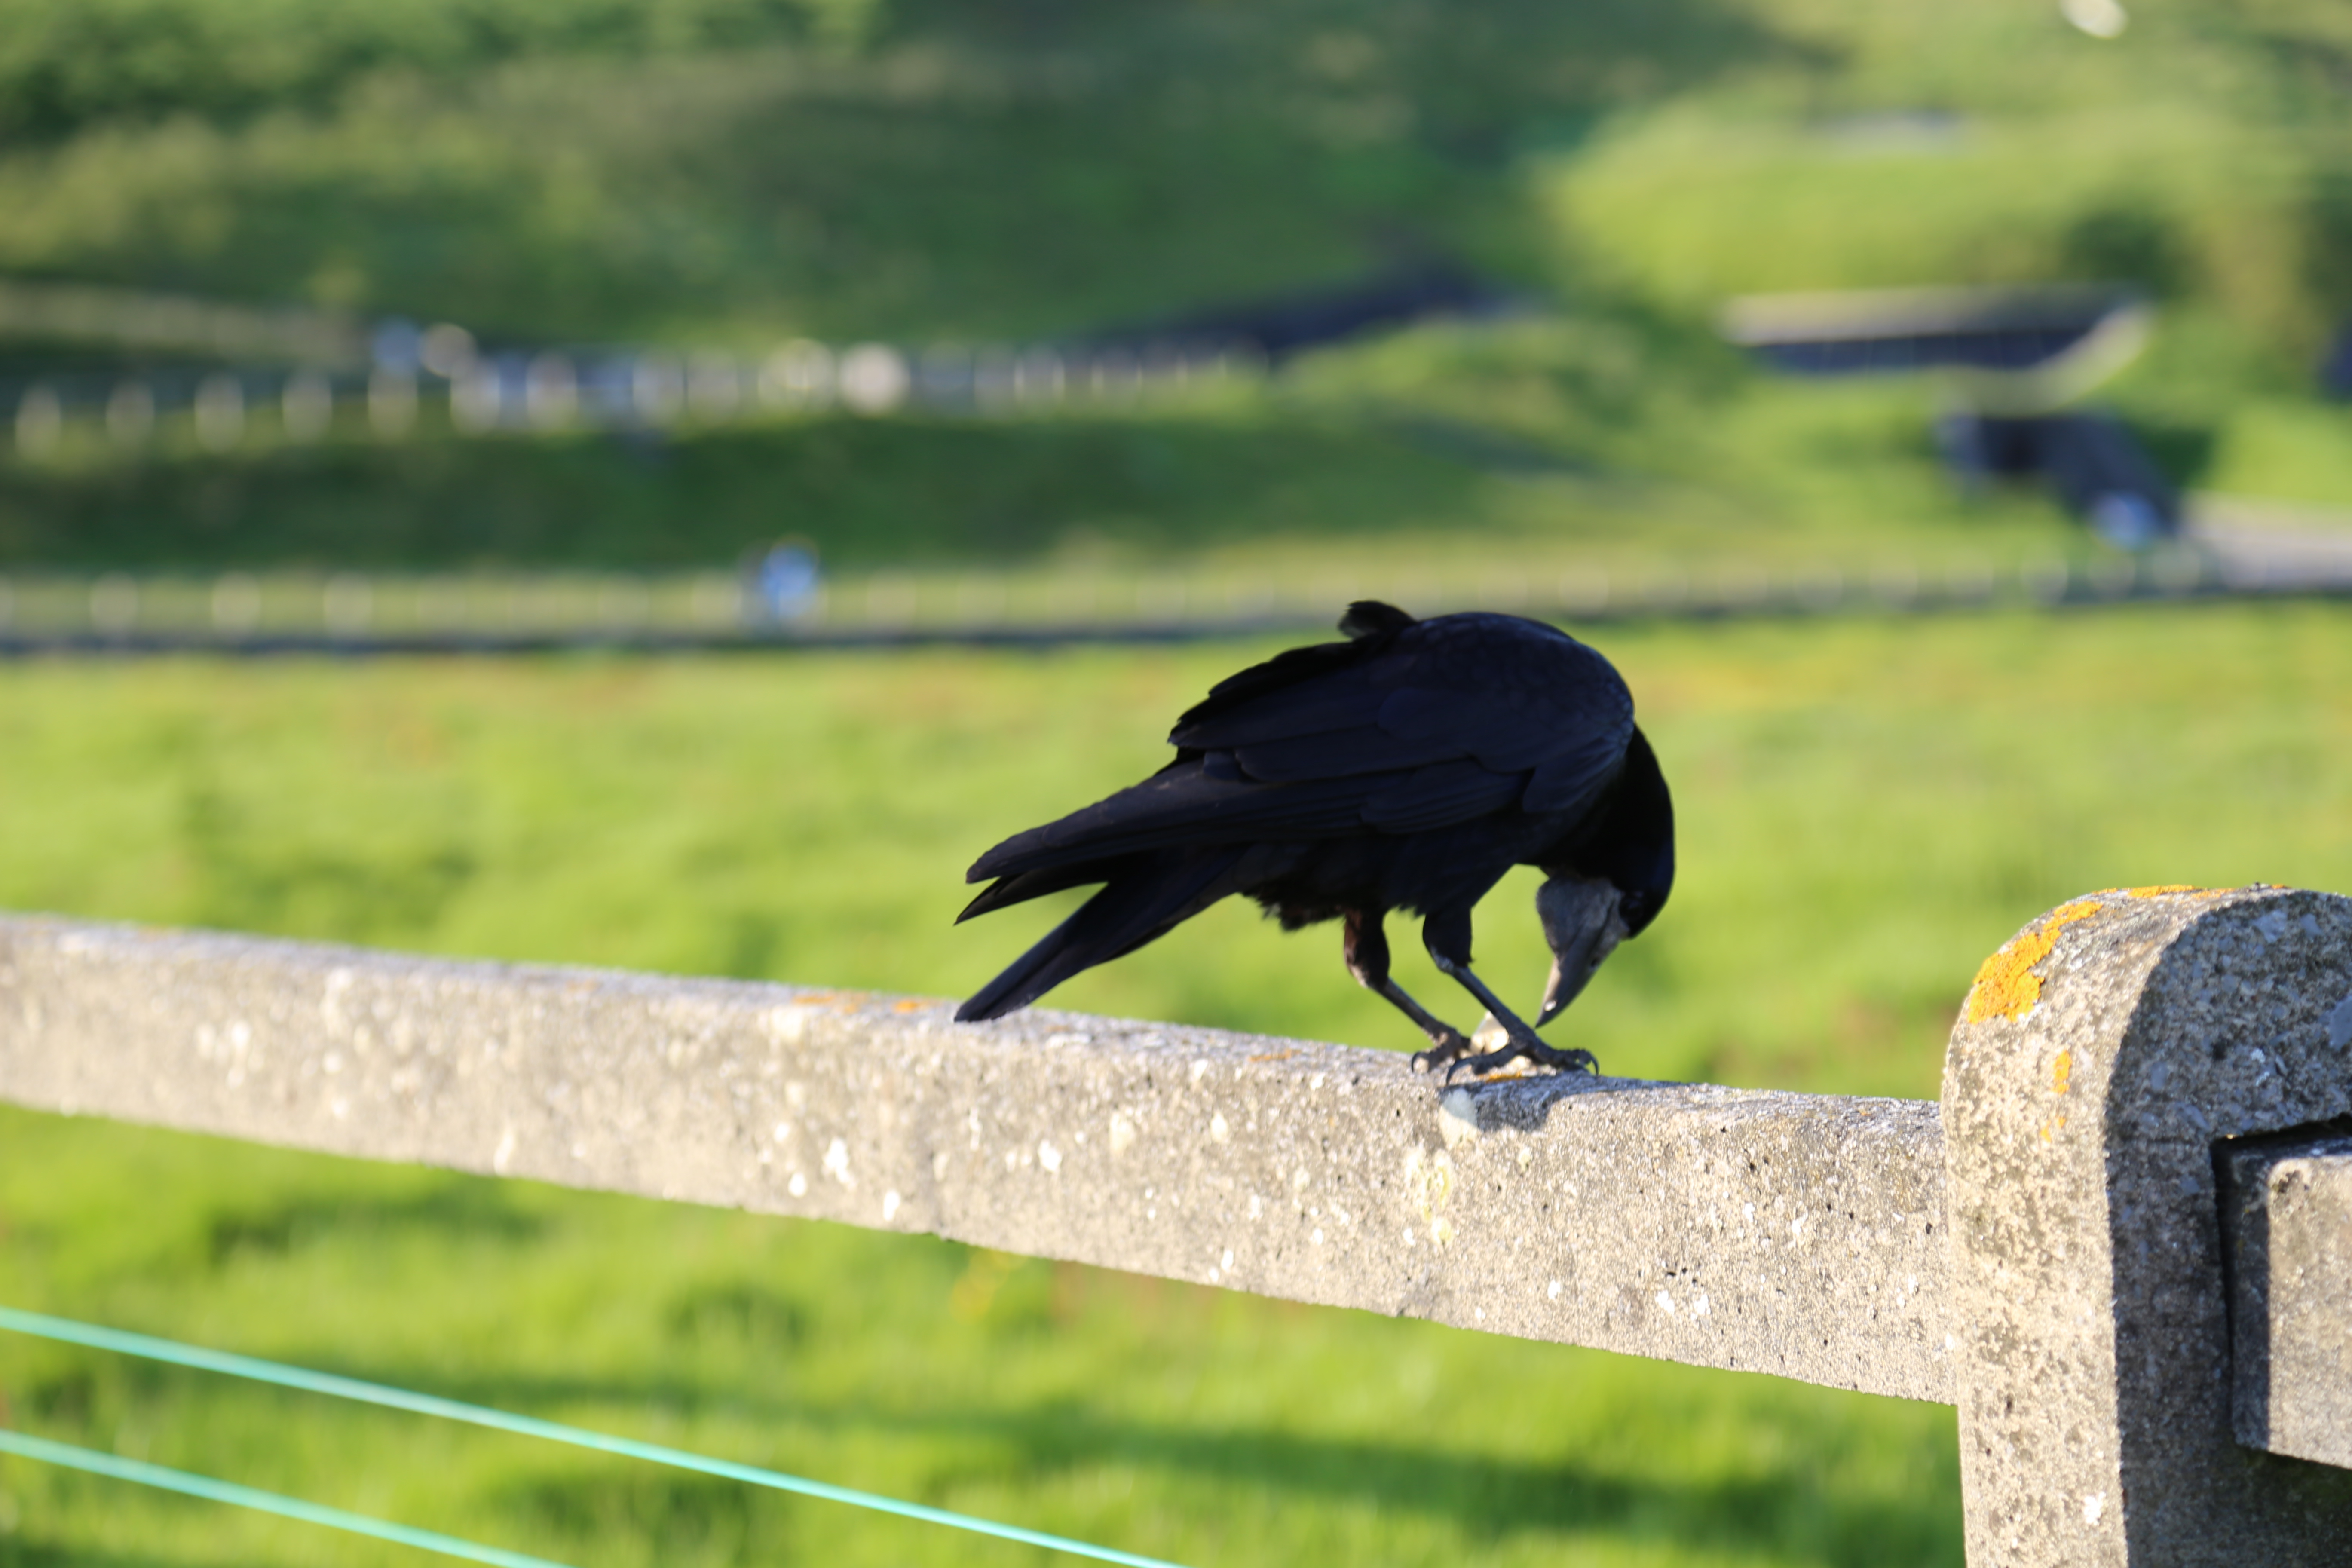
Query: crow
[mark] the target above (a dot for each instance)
(1406, 768)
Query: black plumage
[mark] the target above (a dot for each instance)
(1406, 768)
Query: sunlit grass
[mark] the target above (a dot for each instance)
(1866, 808)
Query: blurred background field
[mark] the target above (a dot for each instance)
(727, 174)
(1868, 804)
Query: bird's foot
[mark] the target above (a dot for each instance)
(1519, 1050)
(1445, 1049)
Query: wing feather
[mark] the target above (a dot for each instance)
(1418, 725)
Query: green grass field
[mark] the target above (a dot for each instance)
(1867, 807)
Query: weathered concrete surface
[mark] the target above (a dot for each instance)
(2288, 1225)
(2100, 1057)
(1790, 1234)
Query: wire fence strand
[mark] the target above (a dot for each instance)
(213, 1490)
(92, 1336)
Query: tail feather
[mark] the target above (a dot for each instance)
(1142, 903)
(1020, 886)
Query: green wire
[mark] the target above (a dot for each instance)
(205, 1486)
(41, 1326)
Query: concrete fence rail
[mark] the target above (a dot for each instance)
(2117, 1245)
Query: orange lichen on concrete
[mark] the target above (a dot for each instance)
(908, 1005)
(2007, 987)
(840, 1000)
(2060, 1072)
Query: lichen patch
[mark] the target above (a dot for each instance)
(2007, 987)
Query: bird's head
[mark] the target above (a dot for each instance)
(1584, 918)
(1621, 872)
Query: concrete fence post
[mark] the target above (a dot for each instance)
(2108, 1062)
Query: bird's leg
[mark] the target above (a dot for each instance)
(1367, 947)
(1447, 937)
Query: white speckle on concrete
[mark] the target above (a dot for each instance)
(1227, 1262)
(504, 1153)
(1049, 1157)
(1698, 1308)
(836, 1163)
(890, 1206)
(1553, 1290)
(783, 1131)
(1258, 1206)
(1315, 1082)
(330, 1005)
(2094, 1505)
(1200, 1069)
(940, 1166)
(340, 1107)
(1458, 1116)
(795, 1093)
(1218, 1130)
(1666, 1302)
(798, 1185)
(1315, 1236)
(1122, 1133)
(787, 1025)
(1298, 1179)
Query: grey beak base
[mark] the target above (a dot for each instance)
(1582, 928)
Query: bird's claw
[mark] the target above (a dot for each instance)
(1449, 1049)
(1534, 1051)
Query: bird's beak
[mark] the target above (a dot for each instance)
(1582, 926)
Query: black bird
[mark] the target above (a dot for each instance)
(1408, 767)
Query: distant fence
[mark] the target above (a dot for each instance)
(461, 389)
(2119, 1245)
(359, 612)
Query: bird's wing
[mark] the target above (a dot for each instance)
(1512, 696)
(1418, 726)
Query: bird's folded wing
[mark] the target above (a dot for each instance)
(1447, 722)
(1508, 694)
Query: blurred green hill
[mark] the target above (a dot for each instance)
(732, 173)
